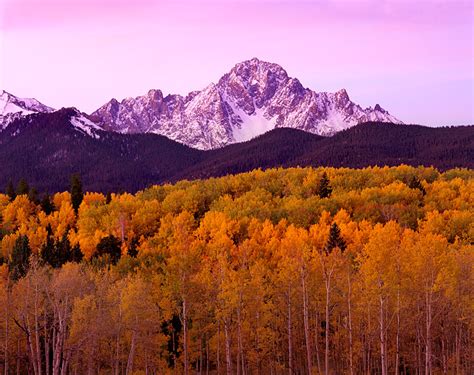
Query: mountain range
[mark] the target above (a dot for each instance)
(256, 116)
(253, 98)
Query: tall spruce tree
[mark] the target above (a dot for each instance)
(324, 189)
(77, 194)
(48, 252)
(335, 240)
(20, 259)
(33, 195)
(23, 188)
(10, 190)
(46, 204)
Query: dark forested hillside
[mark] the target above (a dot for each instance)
(46, 149)
(388, 144)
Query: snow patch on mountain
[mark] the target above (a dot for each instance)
(12, 108)
(250, 126)
(83, 124)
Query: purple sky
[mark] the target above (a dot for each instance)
(414, 57)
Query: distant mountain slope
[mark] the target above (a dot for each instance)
(386, 144)
(277, 147)
(363, 145)
(46, 148)
(253, 98)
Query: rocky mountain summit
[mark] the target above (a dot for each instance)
(253, 98)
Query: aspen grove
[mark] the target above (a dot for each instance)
(283, 271)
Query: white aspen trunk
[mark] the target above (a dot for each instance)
(428, 362)
(240, 360)
(185, 338)
(382, 337)
(32, 353)
(458, 347)
(46, 344)
(37, 336)
(443, 352)
(316, 339)
(227, 349)
(306, 322)
(131, 354)
(117, 344)
(349, 315)
(326, 351)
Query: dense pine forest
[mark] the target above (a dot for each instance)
(283, 271)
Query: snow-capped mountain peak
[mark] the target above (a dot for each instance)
(13, 107)
(254, 97)
(12, 104)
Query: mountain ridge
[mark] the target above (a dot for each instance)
(46, 148)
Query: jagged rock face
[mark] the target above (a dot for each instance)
(254, 97)
(12, 108)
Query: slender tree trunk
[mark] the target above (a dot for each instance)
(458, 347)
(307, 337)
(443, 351)
(46, 344)
(240, 360)
(397, 343)
(131, 354)
(349, 316)
(326, 352)
(117, 342)
(316, 341)
(37, 331)
(428, 369)
(418, 350)
(228, 358)
(185, 337)
(382, 337)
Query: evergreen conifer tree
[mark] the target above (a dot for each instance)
(325, 189)
(23, 188)
(335, 240)
(46, 204)
(76, 191)
(10, 190)
(33, 195)
(20, 259)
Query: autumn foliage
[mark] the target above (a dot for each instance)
(257, 273)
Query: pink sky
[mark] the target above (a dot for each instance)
(415, 58)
